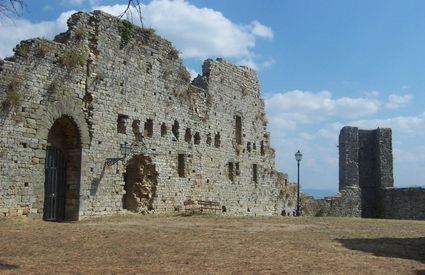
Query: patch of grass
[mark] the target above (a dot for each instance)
(125, 29)
(43, 48)
(99, 77)
(173, 54)
(184, 74)
(148, 31)
(22, 49)
(73, 57)
(13, 98)
(53, 86)
(234, 245)
(79, 33)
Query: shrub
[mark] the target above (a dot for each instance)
(79, 33)
(13, 98)
(184, 74)
(42, 48)
(125, 29)
(173, 54)
(22, 49)
(148, 31)
(73, 57)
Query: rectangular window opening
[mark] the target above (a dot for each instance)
(238, 130)
(181, 166)
(255, 173)
(231, 175)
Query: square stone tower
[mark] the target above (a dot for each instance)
(366, 163)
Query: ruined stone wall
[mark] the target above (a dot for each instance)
(366, 163)
(402, 203)
(347, 203)
(119, 83)
(366, 180)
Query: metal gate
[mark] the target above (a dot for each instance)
(54, 185)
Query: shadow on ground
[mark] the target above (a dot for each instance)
(4, 266)
(404, 248)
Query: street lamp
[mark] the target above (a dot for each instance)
(124, 150)
(298, 157)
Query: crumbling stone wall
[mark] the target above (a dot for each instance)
(366, 165)
(366, 180)
(119, 83)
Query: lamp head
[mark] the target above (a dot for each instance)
(298, 156)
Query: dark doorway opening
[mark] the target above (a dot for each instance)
(62, 171)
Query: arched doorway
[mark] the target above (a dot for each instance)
(62, 171)
(140, 184)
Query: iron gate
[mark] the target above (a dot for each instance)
(54, 185)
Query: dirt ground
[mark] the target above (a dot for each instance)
(212, 245)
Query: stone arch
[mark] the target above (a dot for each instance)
(62, 171)
(68, 108)
(141, 179)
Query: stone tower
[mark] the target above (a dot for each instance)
(366, 165)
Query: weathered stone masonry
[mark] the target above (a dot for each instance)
(366, 184)
(106, 82)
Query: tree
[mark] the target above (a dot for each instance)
(11, 7)
(136, 5)
(15, 7)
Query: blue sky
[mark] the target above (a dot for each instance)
(321, 64)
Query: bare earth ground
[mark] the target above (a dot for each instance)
(212, 244)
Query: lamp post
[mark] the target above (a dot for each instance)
(125, 150)
(298, 157)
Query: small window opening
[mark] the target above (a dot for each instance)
(254, 146)
(121, 123)
(255, 173)
(238, 130)
(188, 135)
(197, 138)
(136, 130)
(209, 139)
(262, 148)
(148, 67)
(181, 166)
(163, 129)
(237, 170)
(148, 131)
(248, 146)
(217, 140)
(175, 129)
(231, 175)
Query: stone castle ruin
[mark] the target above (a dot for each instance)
(70, 105)
(366, 183)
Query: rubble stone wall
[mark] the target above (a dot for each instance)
(366, 180)
(119, 84)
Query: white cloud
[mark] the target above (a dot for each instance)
(372, 94)
(268, 63)
(261, 30)
(115, 10)
(397, 101)
(402, 124)
(193, 73)
(79, 2)
(74, 2)
(13, 32)
(200, 32)
(307, 107)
